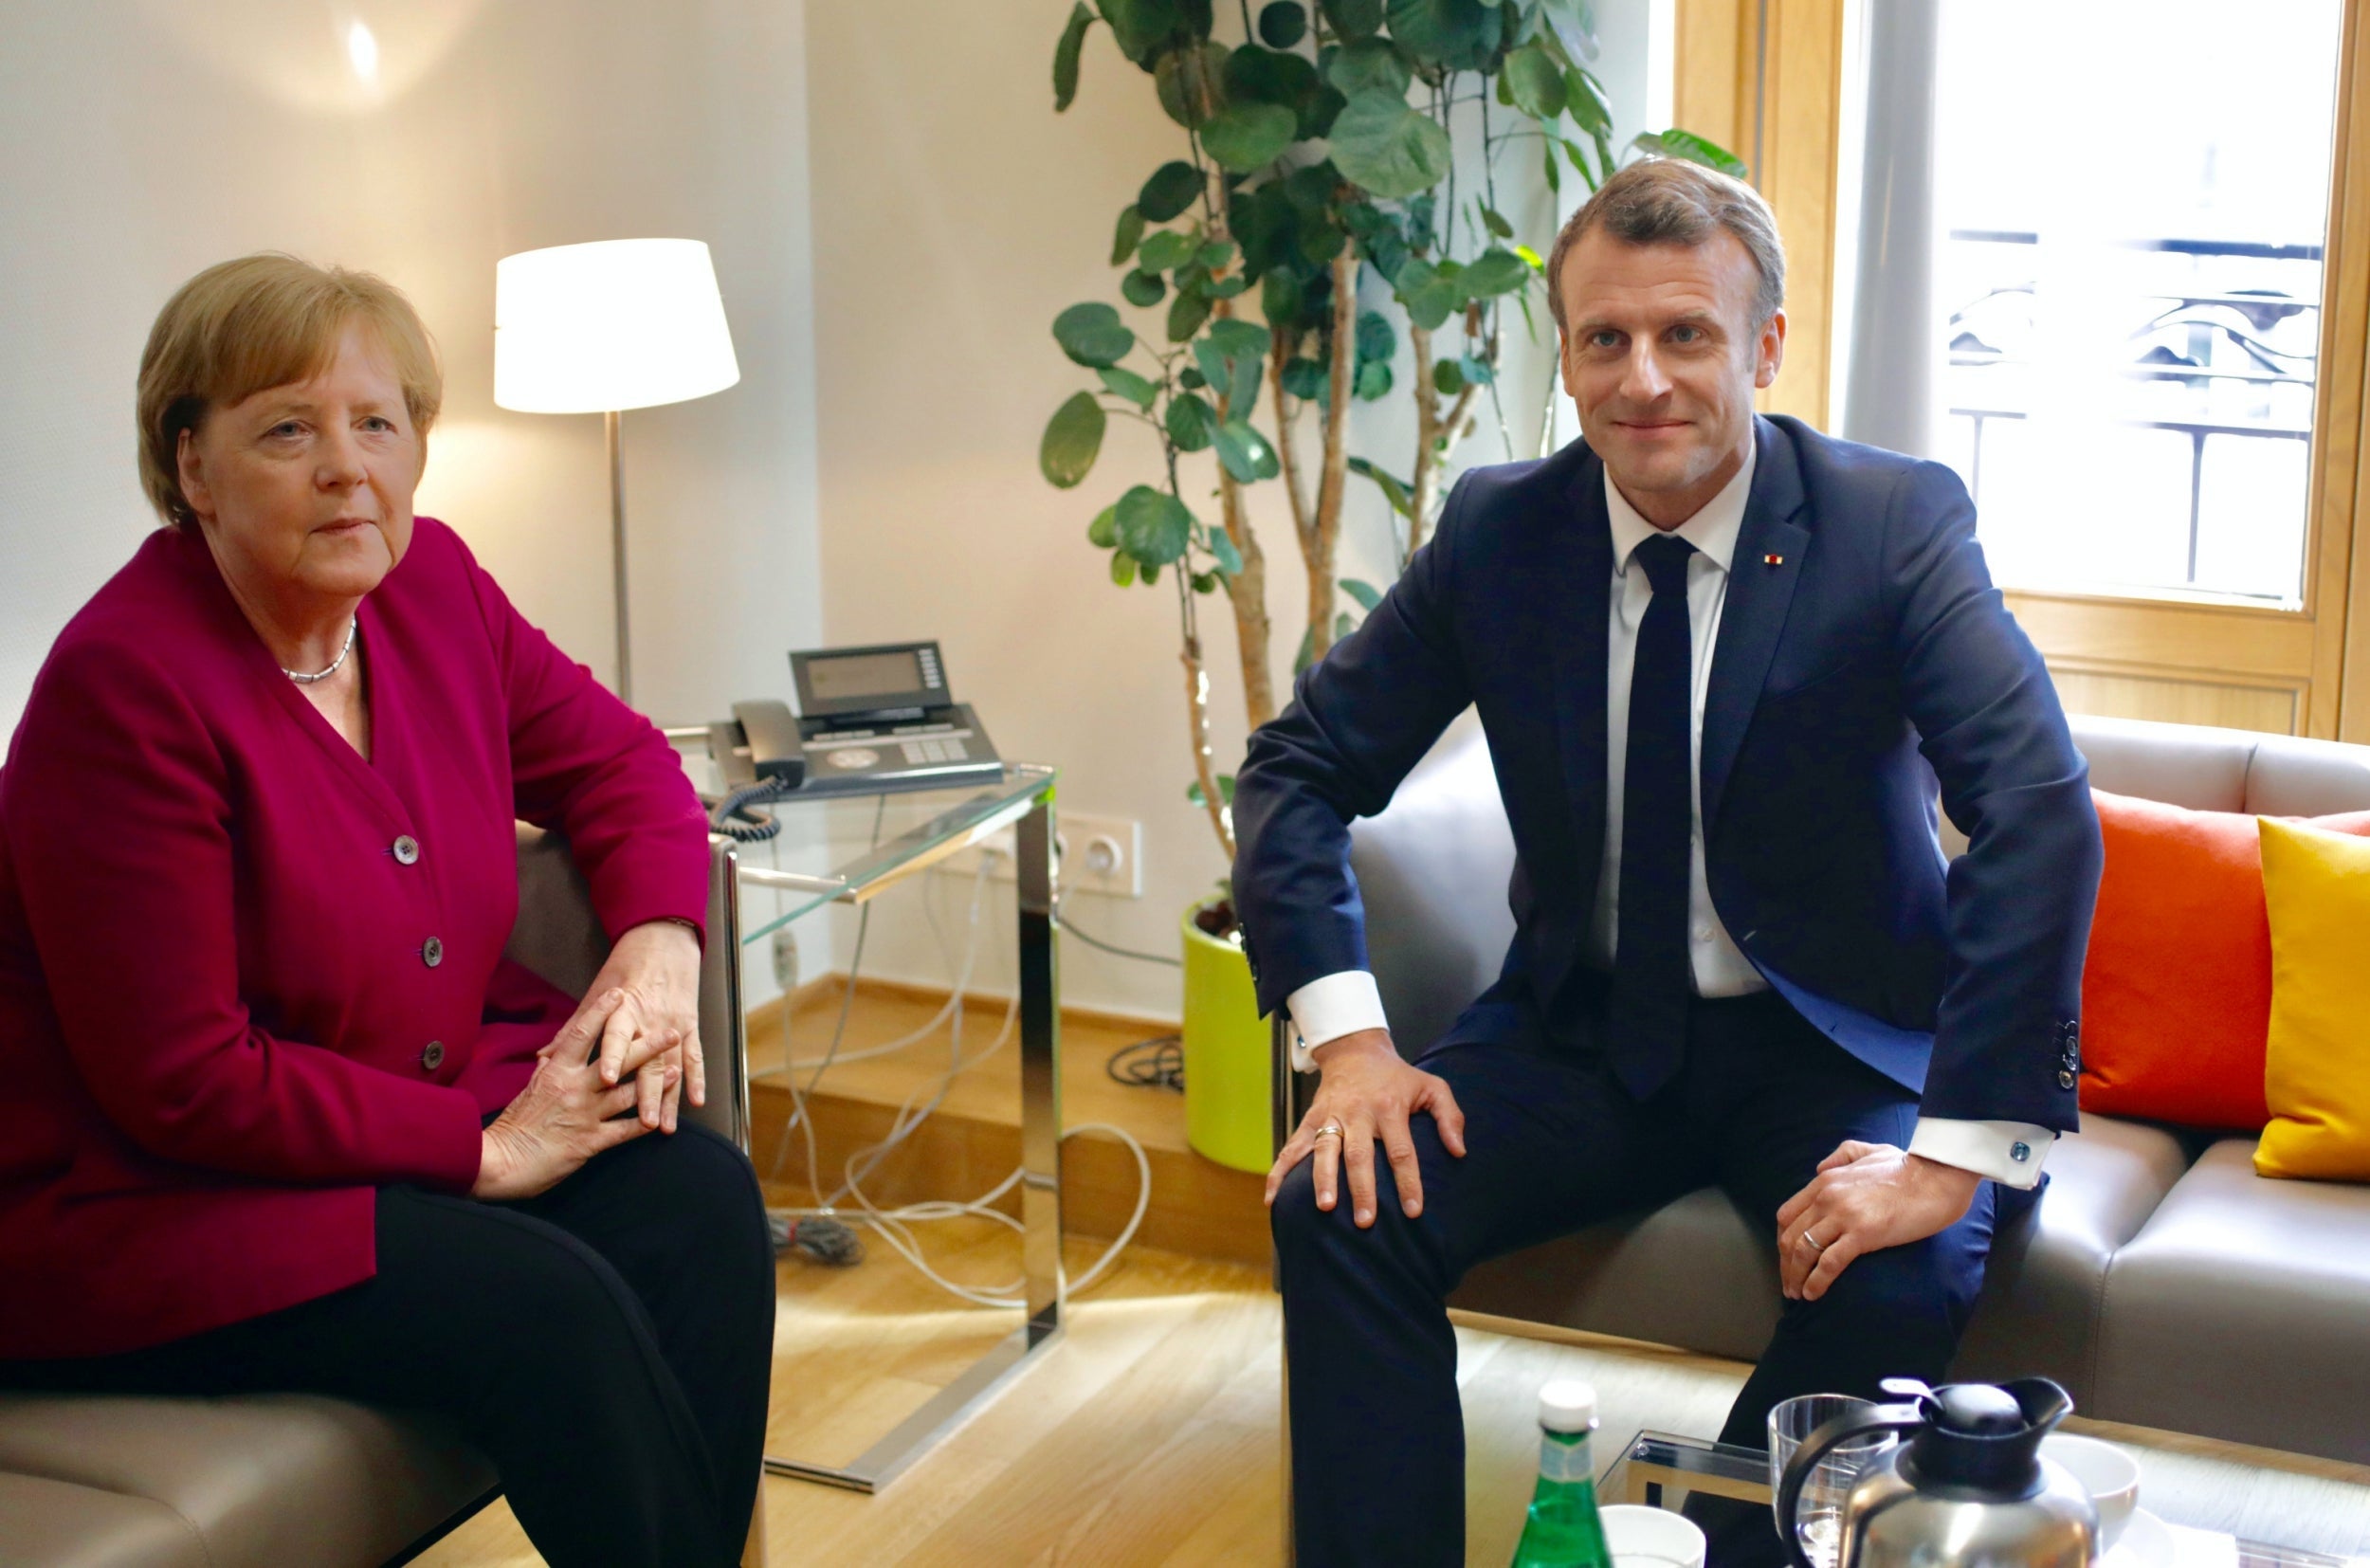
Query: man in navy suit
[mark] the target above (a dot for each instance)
(1722, 663)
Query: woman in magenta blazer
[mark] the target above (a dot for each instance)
(281, 1117)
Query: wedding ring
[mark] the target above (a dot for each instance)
(1815, 1244)
(1331, 1129)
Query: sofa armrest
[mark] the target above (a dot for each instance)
(559, 938)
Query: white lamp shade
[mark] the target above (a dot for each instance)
(613, 325)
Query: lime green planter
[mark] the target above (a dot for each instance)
(1225, 1054)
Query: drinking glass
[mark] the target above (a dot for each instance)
(1818, 1521)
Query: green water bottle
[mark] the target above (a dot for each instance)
(1564, 1530)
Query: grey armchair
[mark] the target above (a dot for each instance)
(270, 1481)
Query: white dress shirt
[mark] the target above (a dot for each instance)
(2010, 1152)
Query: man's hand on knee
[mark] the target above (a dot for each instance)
(1866, 1198)
(1368, 1093)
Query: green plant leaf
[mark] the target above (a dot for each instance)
(1245, 453)
(1166, 250)
(1320, 242)
(1554, 177)
(1496, 223)
(1066, 56)
(1141, 26)
(1375, 337)
(1143, 288)
(1311, 190)
(1228, 286)
(1226, 791)
(1476, 371)
(1153, 526)
(1073, 438)
(1129, 385)
(1104, 533)
(1173, 187)
(1122, 567)
(1239, 340)
(1533, 82)
(1675, 143)
(1304, 378)
(1191, 84)
(1586, 101)
(1342, 627)
(1187, 312)
(1307, 654)
(1393, 150)
(1254, 74)
(1093, 335)
(1319, 110)
(1578, 156)
(1447, 379)
(1495, 271)
(1228, 558)
(1353, 19)
(1367, 595)
(1191, 421)
(1151, 577)
(1394, 490)
(1372, 63)
(1574, 26)
(1430, 294)
(1215, 256)
(1248, 137)
(1458, 34)
(1128, 234)
(1205, 583)
(1190, 379)
(1282, 24)
(1374, 381)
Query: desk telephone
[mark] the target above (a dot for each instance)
(870, 720)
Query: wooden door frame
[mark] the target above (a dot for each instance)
(1765, 78)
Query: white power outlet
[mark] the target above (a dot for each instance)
(1091, 854)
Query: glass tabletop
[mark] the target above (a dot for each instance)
(844, 848)
(1661, 1469)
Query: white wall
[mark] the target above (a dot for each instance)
(144, 140)
(954, 214)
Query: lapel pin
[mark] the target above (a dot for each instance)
(1773, 560)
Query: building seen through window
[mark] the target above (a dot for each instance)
(2135, 198)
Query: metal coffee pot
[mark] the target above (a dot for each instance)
(1968, 1487)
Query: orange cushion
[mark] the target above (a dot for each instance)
(2177, 988)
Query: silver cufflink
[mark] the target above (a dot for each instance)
(2020, 1152)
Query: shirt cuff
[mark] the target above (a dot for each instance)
(1329, 1007)
(2010, 1153)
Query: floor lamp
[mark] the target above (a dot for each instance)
(604, 327)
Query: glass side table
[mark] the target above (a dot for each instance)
(849, 850)
(1661, 1469)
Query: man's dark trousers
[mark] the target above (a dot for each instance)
(1553, 1143)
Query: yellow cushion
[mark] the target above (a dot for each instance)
(2316, 1075)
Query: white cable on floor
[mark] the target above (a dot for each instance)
(893, 1225)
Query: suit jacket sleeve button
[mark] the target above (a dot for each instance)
(432, 952)
(434, 1057)
(406, 851)
(2066, 1079)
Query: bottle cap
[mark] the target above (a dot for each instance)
(1567, 1405)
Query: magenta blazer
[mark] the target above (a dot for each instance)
(245, 976)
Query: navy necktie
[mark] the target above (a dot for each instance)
(1649, 1008)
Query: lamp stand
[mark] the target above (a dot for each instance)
(617, 558)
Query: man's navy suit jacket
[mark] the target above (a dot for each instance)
(1863, 654)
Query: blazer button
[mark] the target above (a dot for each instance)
(2066, 1079)
(406, 851)
(432, 952)
(434, 1057)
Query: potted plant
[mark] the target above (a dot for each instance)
(1319, 149)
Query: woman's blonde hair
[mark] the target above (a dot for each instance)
(264, 320)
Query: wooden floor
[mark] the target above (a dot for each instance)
(1149, 1434)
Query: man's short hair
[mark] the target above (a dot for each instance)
(1669, 201)
(260, 321)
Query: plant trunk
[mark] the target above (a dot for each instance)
(1321, 545)
(1247, 592)
(1197, 716)
(1437, 435)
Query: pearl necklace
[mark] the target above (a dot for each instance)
(335, 664)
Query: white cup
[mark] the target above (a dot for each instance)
(1648, 1538)
(2108, 1474)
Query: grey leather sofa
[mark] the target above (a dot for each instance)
(288, 1480)
(2161, 1279)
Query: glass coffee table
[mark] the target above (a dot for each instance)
(1660, 1470)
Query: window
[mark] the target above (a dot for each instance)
(2134, 196)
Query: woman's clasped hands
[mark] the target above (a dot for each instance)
(632, 1045)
